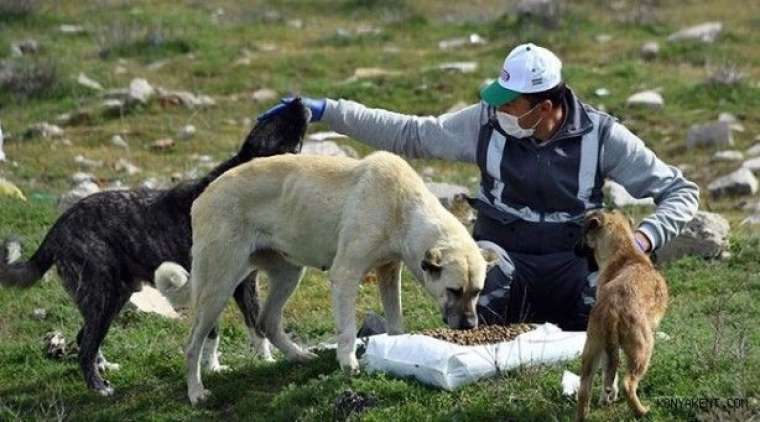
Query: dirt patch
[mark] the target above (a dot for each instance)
(350, 403)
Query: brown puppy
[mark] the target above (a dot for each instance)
(631, 300)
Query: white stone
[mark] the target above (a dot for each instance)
(263, 95)
(71, 29)
(650, 50)
(86, 162)
(463, 67)
(187, 132)
(732, 121)
(706, 32)
(324, 136)
(472, 39)
(752, 220)
(619, 196)
(753, 164)
(740, 182)
(88, 82)
(82, 190)
(705, 236)
(44, 130)
(754, 150)
(118, 140)
(81, 177)
(728, 155)
(140, 91)
(329, 148)
(712, 134)
(125, 166)
(646, 99)
(149, 299)
(602, 92)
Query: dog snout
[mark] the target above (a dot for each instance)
(468, 323)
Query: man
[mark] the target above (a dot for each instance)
(543, 157)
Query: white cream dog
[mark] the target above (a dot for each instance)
(350, 216)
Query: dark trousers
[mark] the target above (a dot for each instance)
(544, 280)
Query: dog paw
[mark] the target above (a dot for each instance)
(642, 411)
(217, 367)
(199, 396)
(108, 366)
(349, 365)
(105, 391)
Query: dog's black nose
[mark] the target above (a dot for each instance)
(468, 323)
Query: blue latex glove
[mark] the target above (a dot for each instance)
(316, 105)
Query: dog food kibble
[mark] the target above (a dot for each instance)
(485, 334)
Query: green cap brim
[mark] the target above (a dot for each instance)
(496, 95)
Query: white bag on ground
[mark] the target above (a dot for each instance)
(449, 366)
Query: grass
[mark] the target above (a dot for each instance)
(713, 351)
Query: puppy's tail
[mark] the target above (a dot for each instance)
(23, 274)
(171, 280)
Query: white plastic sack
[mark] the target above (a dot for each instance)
(448, 366)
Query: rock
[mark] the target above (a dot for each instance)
(157, 64)
(153, 184)
(457, 107)
(39, 314)
(119, 70)
(727, 76)
(650, 98)
(323, 136)
(445, 192)
(80, 177)
(55, 345)
(2, 153)
(602, 92)
(753, 151)
(732, 121)
(373, 324)
(86, 162)
(295, 23)
(546, 10)
(8, 189)
(753, 164)
(118, 141)
(329, 148)
(463, 67)
(705, 236)
(71, 29)
(185, 99)
(371, 72)
(620, 198)
(116, 185)
(78, 117)
(187, 132)
(24, 47)
(149, 299)
(162, 144)
(713, 134)
(85, 81)
(125, 166)
(650, 50)
(12, 250)
(45, 130)
(752, 220)
(472, 39)
(706, 32)
(740, 182)
(80, 191)
(140, 91)
(112, 108)
(728, 155)
(428, 172)
(264, 95)
(603, 38)
(121, 94)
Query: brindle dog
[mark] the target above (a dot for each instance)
(108, 244)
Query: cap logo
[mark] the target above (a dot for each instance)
(536, 81)
(504, 75)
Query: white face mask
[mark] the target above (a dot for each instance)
(511, 126)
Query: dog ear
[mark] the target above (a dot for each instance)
(491, 257)
(432, 261)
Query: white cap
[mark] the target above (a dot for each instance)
(527, 69)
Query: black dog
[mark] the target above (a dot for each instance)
(108, 244)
